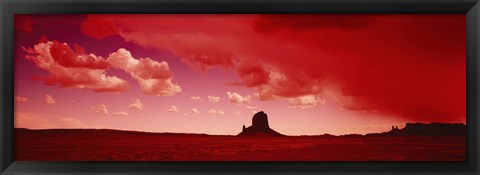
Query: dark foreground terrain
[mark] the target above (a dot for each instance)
(112, 145)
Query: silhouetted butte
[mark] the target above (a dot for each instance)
(259, 127)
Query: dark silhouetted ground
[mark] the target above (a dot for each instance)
(111, 145)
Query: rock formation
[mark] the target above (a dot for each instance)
(259, 127)
(426, 129)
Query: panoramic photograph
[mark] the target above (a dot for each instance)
(240, 87)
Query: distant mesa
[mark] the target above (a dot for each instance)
(426, 129)
(259, 127)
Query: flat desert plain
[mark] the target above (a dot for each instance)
(112, 145)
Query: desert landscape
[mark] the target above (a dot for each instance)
(415, 142)
(198, 87)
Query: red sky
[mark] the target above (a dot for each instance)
(312, 74)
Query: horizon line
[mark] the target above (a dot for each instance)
(150, 132)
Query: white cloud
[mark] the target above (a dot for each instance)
(306, 101)
(100, 109)
(214, 99)
(237, 98)
(195, 98)
(121, 113)
(172, 109)
(153, 77)
(137, 104)
(73, 69)
(237, 113)
(251, 107)
(216, 112)
(49, 99)
(195, 111)
(212, 111)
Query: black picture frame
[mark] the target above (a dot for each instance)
(8, 166)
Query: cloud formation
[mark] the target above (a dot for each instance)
(268, 24)
(214, 99)
(100, 109)
(216, 112)
(121, 113)
(195, 111)
(49, 100)
(99, 28)
(292, 56)
(153, 77)
(237, 98)
(76, 69)
(195, 47)
(195, 98)
(136, 104)
(307, 101)
(172, 109)
(73, 69)
(252, 73)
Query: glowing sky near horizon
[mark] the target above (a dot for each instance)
(312, 74)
